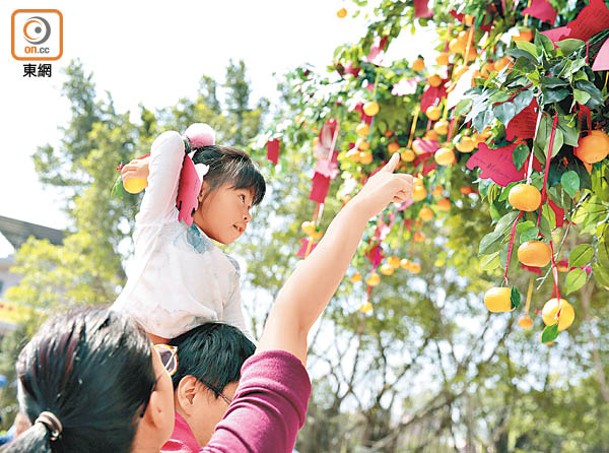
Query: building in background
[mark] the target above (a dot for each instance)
(16, 232)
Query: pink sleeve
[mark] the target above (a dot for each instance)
(269, 407)
(165, 165)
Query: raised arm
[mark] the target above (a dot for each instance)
(308, 290)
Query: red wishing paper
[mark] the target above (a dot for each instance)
(188, 190)
(304, 246)
(556, 34)
(319, 190)
(542, 10)
(601, 62)
(559, 213)
(272, 150)
(496, 164)
(432, 95)
(421, 9)
(523, 124)
(375, 255)
(592, 19)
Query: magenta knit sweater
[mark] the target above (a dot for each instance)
(268, 409)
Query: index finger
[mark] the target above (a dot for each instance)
(392, 164)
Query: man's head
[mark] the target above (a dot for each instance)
(210, 357)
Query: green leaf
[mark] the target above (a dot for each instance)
(601, 275)
(568, 124)
(576, 278)
(482, 120)
(504, 112)
(525, 61)
(570, 182)
(530, 234)
(596, 96)
(489, 262)
(490, 243)
(567, 46)
(550, 96)
(520, 154)
(515, 298)
(581, 255)
(528, 47)
(549, 333)
(553, 82)
(522, 100)
(525, 226)
(544, 42)
(548, 213)
(581, 96)
(504, 224)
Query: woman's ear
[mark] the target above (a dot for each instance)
(185, 394)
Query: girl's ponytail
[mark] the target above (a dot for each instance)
(37, 438)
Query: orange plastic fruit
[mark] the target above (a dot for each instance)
(444, 204)
(525, 322)
(418, 64)
(465, 145)
(435, 80)
(342, 13)
(362, 130)
(534, 253)
(433, 112)
(371, 108)
(524, 197)
(442, 59)
(441, 127)
(408, 155)
(135, 185)
(426, 214)
(393, 147)
(565, 318)
(592, 148)
(445, 156)
(497, 300)
(373, 280)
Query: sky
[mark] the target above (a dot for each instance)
(151, 52)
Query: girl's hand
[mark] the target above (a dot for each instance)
(137, 168)
(384, 187)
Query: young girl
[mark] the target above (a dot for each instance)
(179, 278)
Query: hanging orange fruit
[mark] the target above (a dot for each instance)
(498, 300)
(524, 197)
(418, 64)
(441, 127)
(371, 108)
(534, 253)
(445, 156)
(550, 311)
(592, 148)
(433, 112)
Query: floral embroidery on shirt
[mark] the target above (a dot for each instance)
(199, 242)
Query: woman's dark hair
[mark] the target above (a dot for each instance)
(213, 353)
(93, 370)
(233, 166)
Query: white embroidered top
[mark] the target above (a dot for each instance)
(179, 278)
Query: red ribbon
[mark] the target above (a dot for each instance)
(511, 247)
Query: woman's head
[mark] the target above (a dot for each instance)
(93, 370)
(232, 185)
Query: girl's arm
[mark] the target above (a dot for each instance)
(164, 166)
(308, 290)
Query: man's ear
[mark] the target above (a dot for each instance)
(185, 393)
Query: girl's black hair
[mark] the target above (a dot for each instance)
(93, 370)
(233, 166)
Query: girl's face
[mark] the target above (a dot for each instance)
(224, 214)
